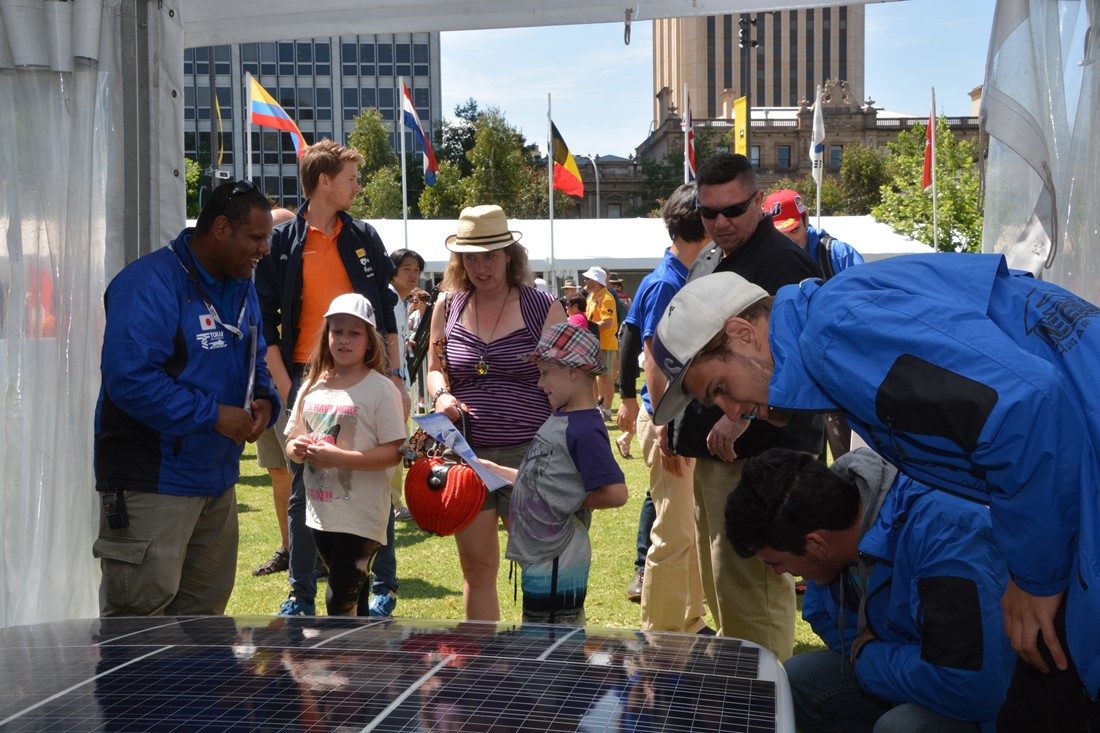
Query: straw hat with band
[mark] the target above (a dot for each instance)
(482, 229)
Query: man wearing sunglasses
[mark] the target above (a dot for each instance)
(184, 385)
(747, 600)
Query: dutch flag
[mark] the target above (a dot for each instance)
(412, 121)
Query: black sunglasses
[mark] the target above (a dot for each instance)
(730, 212)
(239, 188)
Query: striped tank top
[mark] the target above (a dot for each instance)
(507, 405)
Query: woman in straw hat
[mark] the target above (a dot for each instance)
(488, 316)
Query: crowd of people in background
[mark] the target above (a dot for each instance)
(950, 565)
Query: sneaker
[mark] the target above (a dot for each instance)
(278, 563)
(634, 590)
(605, 413)
(707, 631)
(382, 604)
(403, 514)
(293, 607)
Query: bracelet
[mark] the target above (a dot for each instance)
(439, 393)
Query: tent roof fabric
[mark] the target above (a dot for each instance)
(618, 244)
(212, 22)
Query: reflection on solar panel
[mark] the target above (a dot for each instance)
(329, 674)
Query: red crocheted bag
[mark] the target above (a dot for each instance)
(443, 495)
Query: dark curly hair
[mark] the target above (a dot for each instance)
(783, 496)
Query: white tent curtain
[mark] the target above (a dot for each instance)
(59, 206)
(1038, 106)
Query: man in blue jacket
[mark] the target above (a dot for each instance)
(966, 376)
(184, 385)
(789, 216)
(904, 587)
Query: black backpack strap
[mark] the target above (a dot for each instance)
(825, 255)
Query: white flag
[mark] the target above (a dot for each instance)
(817, 141)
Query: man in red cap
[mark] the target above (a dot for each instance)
(789, 216)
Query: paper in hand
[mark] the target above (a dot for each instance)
(437, 425)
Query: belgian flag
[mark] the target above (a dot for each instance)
(567, 178)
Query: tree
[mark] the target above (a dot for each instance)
(191, 175)
(456, 138)
(531, 203)
(372, 137)
(381, 195)
(908, 209)
(444, 200)
(498, 174)
(862, 176)
(832, 194)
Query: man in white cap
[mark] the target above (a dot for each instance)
(745, 598)
(601, 311)
(966, 376)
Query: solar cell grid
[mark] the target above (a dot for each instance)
(323, 674)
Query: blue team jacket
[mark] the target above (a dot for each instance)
(166, 366)
(841, 254)
(972, 378)
(933, 601)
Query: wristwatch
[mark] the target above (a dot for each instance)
(397, 373)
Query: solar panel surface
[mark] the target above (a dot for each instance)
(341, 674)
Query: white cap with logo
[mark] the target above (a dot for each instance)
(352, 304)
(694, 316)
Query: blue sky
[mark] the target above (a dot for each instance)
(601, 89)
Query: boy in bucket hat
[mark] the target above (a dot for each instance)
(568, 471)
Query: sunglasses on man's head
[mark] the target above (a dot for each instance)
(730, 212)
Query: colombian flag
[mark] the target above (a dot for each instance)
(266, 112)
(412, 121)
(567, 178)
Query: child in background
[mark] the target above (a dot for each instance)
(568, 471)
(347, 426)
(574, 310)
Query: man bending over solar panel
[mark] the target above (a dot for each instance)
(904, 585)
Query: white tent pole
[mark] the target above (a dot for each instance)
(248, 125)
(404, 184)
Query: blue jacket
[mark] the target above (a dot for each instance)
(933, 597)
(841, 255)
(972, 378)
(166, 367)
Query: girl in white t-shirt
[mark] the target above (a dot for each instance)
(347, 426)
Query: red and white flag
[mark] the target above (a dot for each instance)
(930, 147)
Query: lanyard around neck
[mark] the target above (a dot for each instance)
(235, 330)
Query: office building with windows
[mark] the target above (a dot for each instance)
(777, 58)
(322, 83)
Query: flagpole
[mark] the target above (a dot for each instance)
(404, 185)
(821, 163)
(935, 212)
(684, 116)
(551, 270)
(248, 125)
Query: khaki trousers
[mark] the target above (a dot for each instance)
(672, 589)
(178, 556)
(748, 600)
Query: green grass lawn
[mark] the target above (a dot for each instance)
(427, 566)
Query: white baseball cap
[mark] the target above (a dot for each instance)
(694, 316)
(596, 273)
(352, 304)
